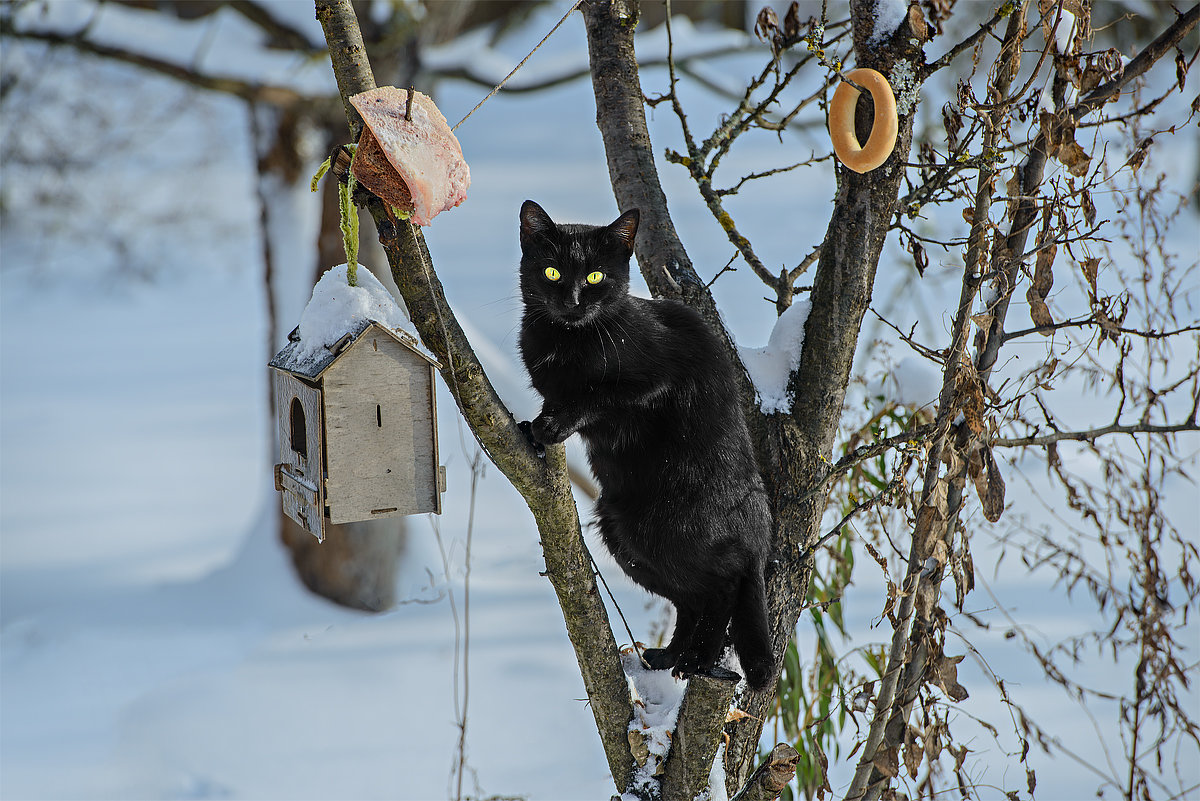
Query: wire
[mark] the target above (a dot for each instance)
(500, 85)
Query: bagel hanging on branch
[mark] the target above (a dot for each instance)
(858, 157)
(407, 154)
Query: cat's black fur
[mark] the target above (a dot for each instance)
(652, 392)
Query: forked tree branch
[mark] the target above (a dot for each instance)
(543, 484)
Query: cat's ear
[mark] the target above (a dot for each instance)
(624, 228)
(535, 221)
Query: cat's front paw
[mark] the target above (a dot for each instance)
(549, 430)
(659, 658)
(527, 429)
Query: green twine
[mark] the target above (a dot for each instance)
(348, 212)
(316, 179)
(349, 225)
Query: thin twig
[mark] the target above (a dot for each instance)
(728, 268)
(1092, 433)
(966, 44)
(1046, 329)
(896, 483)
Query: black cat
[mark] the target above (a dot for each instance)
(651, 390)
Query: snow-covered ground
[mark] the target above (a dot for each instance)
(154, 642)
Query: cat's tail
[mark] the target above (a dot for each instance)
(750, 631)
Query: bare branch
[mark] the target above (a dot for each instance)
(985, 29)
(282, 34)
(1144, 60)
(1090, 321)
(247, 90)
(733, 190)
(1092, 434)
(895, 485)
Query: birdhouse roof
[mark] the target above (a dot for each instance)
(293, 358)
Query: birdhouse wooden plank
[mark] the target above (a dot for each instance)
(382, 432)
(357, 425)
(299, 472)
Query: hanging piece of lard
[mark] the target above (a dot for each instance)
(407, 154)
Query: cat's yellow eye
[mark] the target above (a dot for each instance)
(553, 274)
(595, 278)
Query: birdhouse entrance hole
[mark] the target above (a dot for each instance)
(299, 429)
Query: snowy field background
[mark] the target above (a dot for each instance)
(153, 640)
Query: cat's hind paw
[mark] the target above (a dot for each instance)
(710, 671)
(527, 429)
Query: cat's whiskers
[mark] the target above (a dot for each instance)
(602, 326)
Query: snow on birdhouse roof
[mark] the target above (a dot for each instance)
(337, 316)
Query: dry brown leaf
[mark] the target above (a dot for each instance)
(1108, 328)
(780, 778)
(1139, 155)
(952, 122)
(989, 484)
(854, 750)
(1013, 188)
(913, 752)
(933, 742)
(1043, 282)
(1074, 158)
(974, 405)
(945, 675)
(1090, 268)
(766, 28)
(1089, 208)
(941, 553)
(993, 496)
(1043, 272)
(937, 500)
(963, 568)
(1052, 129)
(1039, 312)
(1092, 77)
(791, 22)
(638, 747)
(918, 254)
(887, 762)
(735, 714)
(983, 321)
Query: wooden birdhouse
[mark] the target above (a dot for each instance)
(357, 429)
